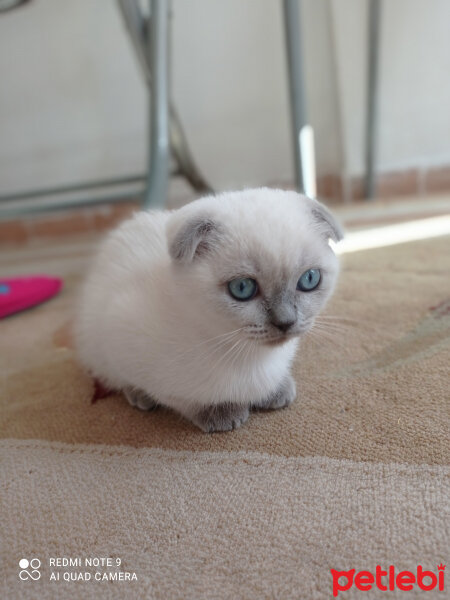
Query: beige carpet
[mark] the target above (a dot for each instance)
(354, 474)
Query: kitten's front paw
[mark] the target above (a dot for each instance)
(139, 399)
(283, 397)
(222, 417)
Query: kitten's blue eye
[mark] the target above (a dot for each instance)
(242, 288)
(309, 280)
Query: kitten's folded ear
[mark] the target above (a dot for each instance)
(327, 224)
(191, 238)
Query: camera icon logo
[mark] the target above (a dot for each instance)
(29, 569)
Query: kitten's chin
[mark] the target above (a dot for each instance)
(278, 341)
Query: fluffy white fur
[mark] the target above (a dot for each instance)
(156, 316)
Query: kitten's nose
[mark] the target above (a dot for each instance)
(283, 325)
(283, 315)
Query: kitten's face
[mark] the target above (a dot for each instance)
(271, 297)
(260, 264)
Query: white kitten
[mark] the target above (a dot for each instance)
(200, 309)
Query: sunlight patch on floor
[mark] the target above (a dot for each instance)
(390, 235)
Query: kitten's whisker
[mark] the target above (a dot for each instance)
(337, 317)
(217, 342)
(222, 358)
(235, 355)
(330, 327)
(251, 350)
(337, 345)
(245, 349)
(333, 333)
(318, 337)
(209, 351)
(335, 322)
(211, 339)
(177, 341)
(349, 322)
(346, 328)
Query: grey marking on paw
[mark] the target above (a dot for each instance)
(283, 397)
(139, 399)
(221, 417)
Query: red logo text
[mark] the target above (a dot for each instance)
(388, 580)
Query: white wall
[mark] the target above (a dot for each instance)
(415, 83)
(229, 85)
(73, 103)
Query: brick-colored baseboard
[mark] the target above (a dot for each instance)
(61, 223)
(408, 183)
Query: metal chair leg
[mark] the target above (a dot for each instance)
(140, 30)
(372, 93)
(157, 48)
(296, 84)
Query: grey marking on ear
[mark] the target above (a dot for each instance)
(328, 223)
(194, 239)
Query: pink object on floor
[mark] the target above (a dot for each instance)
(20, 293)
